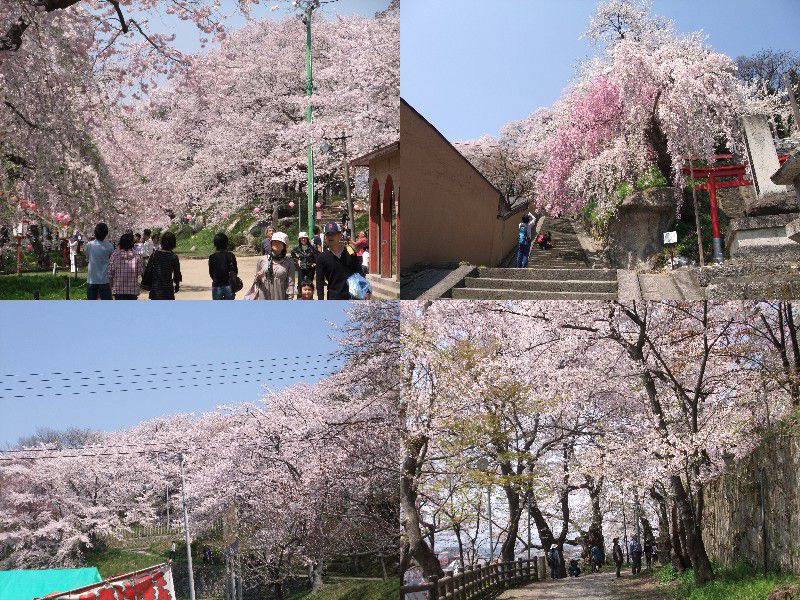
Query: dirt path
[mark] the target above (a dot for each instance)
(599, 586)
(197, 284)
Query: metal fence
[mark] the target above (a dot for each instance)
(477, 582)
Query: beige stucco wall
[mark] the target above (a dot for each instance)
(449, 210)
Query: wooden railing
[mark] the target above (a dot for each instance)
(478, 582)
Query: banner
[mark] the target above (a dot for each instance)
(154, 583)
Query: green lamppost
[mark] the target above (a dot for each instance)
(307, 7)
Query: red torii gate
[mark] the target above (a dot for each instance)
(720, 177)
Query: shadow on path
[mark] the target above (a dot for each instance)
(598, 586)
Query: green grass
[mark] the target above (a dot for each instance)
(23, 286)
(116, 561)
(352, 590)
(742, 582)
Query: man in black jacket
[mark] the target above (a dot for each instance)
(335, 265)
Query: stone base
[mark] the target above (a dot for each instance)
(771, 204)
(765, 235)
(636, 234)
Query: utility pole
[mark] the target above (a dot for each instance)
(491, 538)
(625, 531)
(166, 499)
(350, 216)
(697, 219)
(310, 6)
(529, 531)
(793, 100)
(187, 537)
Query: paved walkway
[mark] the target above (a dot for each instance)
(598, 586)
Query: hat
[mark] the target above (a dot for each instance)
(332, 228)
(280, 237)
(302, 234)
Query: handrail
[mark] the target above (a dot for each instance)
(471, 583)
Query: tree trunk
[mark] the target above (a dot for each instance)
(696, 548)
(411, 522)
(315, 573)
(595, 537)
(514, 513)
(678, 558)
(664, 541)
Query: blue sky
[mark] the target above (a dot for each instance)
(38, 337)
(470, 67)
(187, 35)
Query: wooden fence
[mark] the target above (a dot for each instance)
(479, 582)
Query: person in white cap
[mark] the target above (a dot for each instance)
(305, 259)
(275, 271)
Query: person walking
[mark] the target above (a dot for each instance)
(266, 245)
(147, 245)
(336, 265)
(648, 552)
(173, 552)
(305, 259)
(636, 555)
(524, 242)
(223, 270)
(598, 557)
(317, 238)
(554, 560)
(162, 276)
(74, 243)
(124, 269)
(98, 253)
(275, 272)
(616, 554)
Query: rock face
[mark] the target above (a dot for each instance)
(636, 234)
(732, 524)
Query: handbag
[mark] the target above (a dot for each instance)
(252, 293)
(147, 276)
(233, 280)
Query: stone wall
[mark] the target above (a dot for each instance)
(636, 233)
(733, 527)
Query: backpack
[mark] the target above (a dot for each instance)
(523, 233)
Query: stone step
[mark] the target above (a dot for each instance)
(552, 274)
(488, 294)
(542, 285)
(384, 288)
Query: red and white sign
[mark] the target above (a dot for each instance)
(154, 583)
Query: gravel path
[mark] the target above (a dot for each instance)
(197, 284)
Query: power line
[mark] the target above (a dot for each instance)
(233, 362)
(113, 383)
(222, 380)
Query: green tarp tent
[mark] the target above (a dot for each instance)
(27, 585)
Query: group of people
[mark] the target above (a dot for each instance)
(314, 264)
(148, 262)
(114, 272)
(597, 558)
(526, 230)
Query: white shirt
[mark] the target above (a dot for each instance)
(531, 225)
(147, 248)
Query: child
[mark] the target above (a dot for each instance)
(306, 290)
(574, 570)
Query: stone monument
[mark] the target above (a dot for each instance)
(761, 233)
(636, 233)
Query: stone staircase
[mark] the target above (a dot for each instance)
(384, 288)
(562, 273)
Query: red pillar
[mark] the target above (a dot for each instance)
(712, 193)
(386, 227)
(374, 226)
(397, 233)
